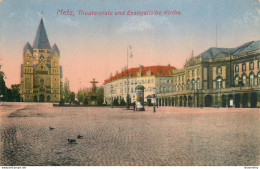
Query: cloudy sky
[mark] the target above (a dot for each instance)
(95, 46)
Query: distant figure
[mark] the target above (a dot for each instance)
(79, 136)
(72, 141)
(134, 105)
(51, 128)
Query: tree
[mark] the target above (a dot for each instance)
(100, 96)
(66, 91)
(115, 102)
(80, 96)
(2, 86)
(100, 101)
(71, 97)
(15, 92)
(122, 102)
(85, 102)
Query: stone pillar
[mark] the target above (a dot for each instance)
(195, 101)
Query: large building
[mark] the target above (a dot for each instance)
(158, 77)
(218, 77)
(41, 73)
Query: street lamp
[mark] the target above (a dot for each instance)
(127, 97)
(154, 99)
(111, 88)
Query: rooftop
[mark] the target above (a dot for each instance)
(145, 71)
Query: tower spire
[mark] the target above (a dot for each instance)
(41, 40)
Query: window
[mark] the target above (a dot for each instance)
(219, 70)
(258, 78)
(188, 85)
(243, 67)
(198, 84)
(236, 80)
(192, 84)
(258, 64)
(198, 71)
(251, 65)
(219, 83)
(251, 79)
(192, 73)
(244, 79)
(236, 68)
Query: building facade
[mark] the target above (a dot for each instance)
(158, 78)
(41, 73)
(218, 77)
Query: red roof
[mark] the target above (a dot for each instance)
(155, 71)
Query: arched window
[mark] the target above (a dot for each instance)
(251, 79)
(244, 80)
(219, 83)
(236, 80)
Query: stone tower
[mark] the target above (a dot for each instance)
(41, 73)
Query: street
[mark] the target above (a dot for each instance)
(36, 134)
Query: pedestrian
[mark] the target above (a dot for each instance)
(134, 105)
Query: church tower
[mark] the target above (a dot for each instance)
(41, 73)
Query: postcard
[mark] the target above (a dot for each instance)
(129, 83)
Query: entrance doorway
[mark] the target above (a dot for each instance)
(244, 100)
(237, 100)
(35, 99)
(253, 100)
(223, 101)
(208, 101)
(41, 98)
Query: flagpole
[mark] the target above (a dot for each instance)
(127, 96)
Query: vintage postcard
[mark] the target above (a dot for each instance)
(129, 83)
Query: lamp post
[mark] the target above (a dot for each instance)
(127, 96)
(111, 88)
(154, 99)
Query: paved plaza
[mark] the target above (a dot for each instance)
(171, 136)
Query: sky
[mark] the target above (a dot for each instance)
(96, 46)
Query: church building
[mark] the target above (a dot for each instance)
(41, 73)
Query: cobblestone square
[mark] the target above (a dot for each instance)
(171, 136)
